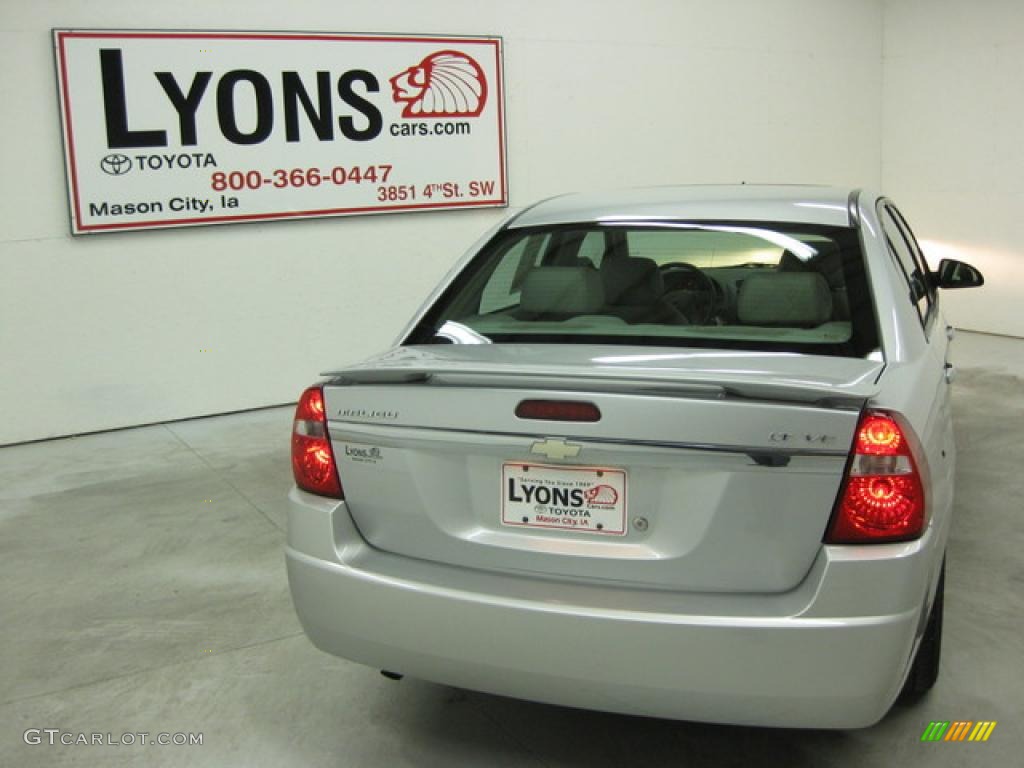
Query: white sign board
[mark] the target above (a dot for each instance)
(166, 129)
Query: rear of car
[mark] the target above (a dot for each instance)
(680, 454)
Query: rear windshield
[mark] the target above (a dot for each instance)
(734, 285)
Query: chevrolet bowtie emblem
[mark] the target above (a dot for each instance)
(555, 449)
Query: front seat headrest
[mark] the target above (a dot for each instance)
(631, 281)
(562, 290)
(794, 299)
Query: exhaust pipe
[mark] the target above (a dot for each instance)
(391, 675)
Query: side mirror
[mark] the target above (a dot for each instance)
(956, 274)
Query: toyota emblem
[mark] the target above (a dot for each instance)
(116, 165)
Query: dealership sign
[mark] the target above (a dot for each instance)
(166, 129)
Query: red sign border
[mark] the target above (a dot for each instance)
(77, 228)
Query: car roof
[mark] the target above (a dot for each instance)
(737, 202)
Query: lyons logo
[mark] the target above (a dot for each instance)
(958, 730)
(372, 455)
(445, 84)
(602, 494)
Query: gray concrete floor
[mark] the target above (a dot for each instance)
(144, 591)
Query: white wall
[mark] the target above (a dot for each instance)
(110, 330)
(953, 144)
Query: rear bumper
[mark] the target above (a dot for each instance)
(831, 654)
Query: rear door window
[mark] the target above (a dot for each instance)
(911, 262)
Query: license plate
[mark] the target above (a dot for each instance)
(584, 499)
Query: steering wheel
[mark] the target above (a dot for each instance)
(689, 290)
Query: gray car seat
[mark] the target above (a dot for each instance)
(635, 292)
(558, 293)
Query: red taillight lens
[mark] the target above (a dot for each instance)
(879, 435)
(883, 495)
(558, 410)
(312, 458)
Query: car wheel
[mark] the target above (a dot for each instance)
(925, 670)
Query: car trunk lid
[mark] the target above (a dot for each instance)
(724, 466)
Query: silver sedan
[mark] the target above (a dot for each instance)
(681, 452)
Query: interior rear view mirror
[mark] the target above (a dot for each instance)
(956, 274)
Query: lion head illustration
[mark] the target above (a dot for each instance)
(601, 494)
(444, 84)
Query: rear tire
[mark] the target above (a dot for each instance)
(925, 670)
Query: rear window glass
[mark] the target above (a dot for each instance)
(745, 285)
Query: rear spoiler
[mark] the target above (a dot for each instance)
(820, 394)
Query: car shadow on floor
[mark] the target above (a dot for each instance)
(441, 720)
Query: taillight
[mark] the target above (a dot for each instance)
(312, 458)
(883, 496)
